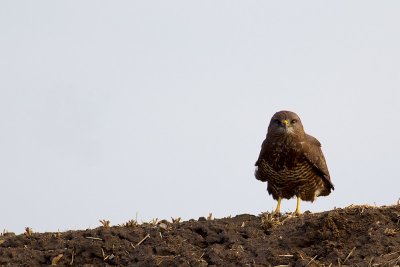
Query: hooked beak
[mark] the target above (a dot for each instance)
(287, 126)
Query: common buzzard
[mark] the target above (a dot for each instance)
(292, 162)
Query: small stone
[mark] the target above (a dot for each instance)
(163, 226)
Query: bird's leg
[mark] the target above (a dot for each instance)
(297, 212)
(278, 206)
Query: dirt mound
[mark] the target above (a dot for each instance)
(362, 235)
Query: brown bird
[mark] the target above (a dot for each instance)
(292, 162)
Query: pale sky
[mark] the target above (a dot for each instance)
(157, 109)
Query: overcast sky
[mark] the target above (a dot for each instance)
(157, 109)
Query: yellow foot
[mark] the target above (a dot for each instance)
(297, 212)
(278, 206)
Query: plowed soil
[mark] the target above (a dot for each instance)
(354, 236)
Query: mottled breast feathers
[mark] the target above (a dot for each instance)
(292, 161)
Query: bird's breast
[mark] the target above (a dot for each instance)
(284, 156)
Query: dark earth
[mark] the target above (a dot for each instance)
(353, 236)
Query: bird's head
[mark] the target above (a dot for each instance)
(285, 122)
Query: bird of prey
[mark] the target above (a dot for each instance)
(291, 162)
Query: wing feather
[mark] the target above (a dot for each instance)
(313, 153)
(263, 153)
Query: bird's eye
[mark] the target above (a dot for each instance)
(294, 121)
(276, 121)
